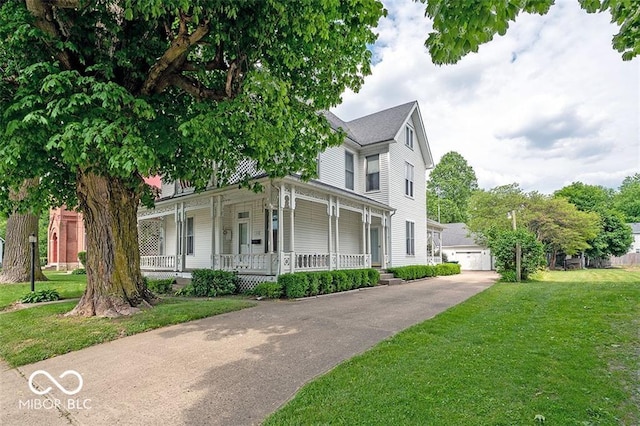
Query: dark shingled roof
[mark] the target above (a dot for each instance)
(378, 127)
(455, 234)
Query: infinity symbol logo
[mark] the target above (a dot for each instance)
(55, 382)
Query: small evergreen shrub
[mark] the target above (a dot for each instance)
(374, 277)
(413, 272)
(210, 283)
(508, 276)
(268, 290)
(82, 257)
(447, 269)
(160, 286)
(326, 282)
(301, 284)
(79, 271)
(293, 285)
(41, 296)
(314, 284)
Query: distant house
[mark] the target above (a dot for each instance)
(633, 256)
(459, 247)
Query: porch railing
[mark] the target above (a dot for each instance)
(258, 263)
(293, 262)
(164, 262)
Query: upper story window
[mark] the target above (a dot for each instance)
(348, 170)
(373, 173)
(190, 236)
(409, 136)
(408, 179)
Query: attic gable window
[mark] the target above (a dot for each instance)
(348, 170)
(373, 173)
(409, 136)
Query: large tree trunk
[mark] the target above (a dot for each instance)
(16, 266)
(114, 281)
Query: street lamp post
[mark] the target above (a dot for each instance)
(33, 240)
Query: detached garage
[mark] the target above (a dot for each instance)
(459, 247)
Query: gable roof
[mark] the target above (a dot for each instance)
(385, 126)
(456, 234)
(381, 126)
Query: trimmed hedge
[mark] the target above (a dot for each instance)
(303, 284)
(210, 283)
(447, 269)
(160, 286)
(414, 272)
(268, 290)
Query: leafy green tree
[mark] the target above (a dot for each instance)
(460, 27)
(559, 225)
(503, 248)
(614, 237)
(97, 95)
(490, 211)
(449, 187)
(627, 200)
(588, 198)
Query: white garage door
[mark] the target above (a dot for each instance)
(469, 260)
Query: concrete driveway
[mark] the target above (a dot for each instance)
(231, 369)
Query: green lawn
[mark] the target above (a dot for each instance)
(41, 332)
(560, 351)
(68, 286)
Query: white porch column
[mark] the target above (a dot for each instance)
(368, 263)
(364, 232)
(217, 232)
(292, 237)
(337, 234)
(383, 261)
(176, 217)
(280, 229)
(183, 239)
(330, 245)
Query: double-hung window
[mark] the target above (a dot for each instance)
(411, 240)
(373, 173)
(190, 236)
(348, 170)
(408, 179)
(409, 136)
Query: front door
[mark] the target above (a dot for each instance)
(243, 237)
(374, 235)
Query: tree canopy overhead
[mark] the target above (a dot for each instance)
(98, 94)
(460, 27)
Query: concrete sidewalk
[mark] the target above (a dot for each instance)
(231, 369)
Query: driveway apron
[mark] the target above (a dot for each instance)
(231, 369)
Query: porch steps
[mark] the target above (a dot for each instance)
(387, 279)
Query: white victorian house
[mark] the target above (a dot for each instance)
(366, 208)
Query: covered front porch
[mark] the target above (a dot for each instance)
(291, 226)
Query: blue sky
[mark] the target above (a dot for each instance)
(548, 104)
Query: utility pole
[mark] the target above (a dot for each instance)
(518, 248)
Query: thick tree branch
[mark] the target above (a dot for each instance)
(175, 55)
(42, 10)
(195, 89)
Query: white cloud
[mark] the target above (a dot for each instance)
(547, 104)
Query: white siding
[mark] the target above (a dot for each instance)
(407, 209)
(350, 236)
(169, 235)
(202, 224)
(332, 167)
(311, 227)
(382, 195)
